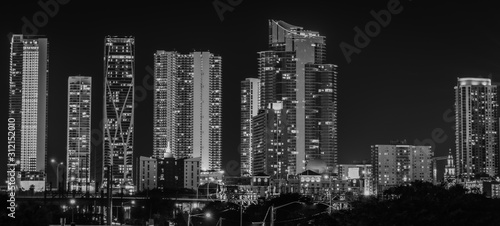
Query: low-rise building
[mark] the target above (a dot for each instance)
(147, 173)
(170, 173)
(192, 173)
(358, 177)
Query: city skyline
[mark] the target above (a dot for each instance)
(436, 109)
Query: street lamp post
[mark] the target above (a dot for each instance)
(123, 207)
(72, 202)
(57, 171)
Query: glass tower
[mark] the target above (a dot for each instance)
(293, 71)
(188, 107)
(28, 100)
(250, 91)
(119, 70)
(476, 133)
(79, 129)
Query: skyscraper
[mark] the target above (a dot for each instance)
(188, 107)
(164, 102)
(269, 141)
(476, 131)
(28, 100)
(119, 70)
(79, 129)
(250, 91)
(293, 71)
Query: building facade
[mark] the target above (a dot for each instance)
(170, 173)
(250, 91)
(293, 71)
(358, 176)
(147, 173)
(396, 164)
(79, 132)
(192, 173)
(119, 73)
(28, 102)
(164, 102)
(188, 106)
(476, 127)
(449, 169)
(269, 142)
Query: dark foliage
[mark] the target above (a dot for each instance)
(423, 204)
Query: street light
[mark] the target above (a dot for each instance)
(124, 208)
(57, 171)
(72, 202)
(202, 215)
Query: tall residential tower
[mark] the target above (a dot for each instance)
(28, 100)
(476, 131)
(79, 132)
(293, 71)
(119, 70)
(250, 91)
(188, 107)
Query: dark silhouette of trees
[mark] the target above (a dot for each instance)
(27, 214)
(422, 203)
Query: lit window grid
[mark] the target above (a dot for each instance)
(174, 106)
(119, 103)
(79, 131)
(29, 118)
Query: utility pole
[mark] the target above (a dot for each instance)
(241, 212)
(272, 216)
(110, 195)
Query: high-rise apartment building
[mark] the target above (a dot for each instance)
(188, 107)
(28, 100)
(476, 127)
(164, 101)
(250, 91)
(269, 141)
(294, 71)
(79, 132)
(395, 164)
(119, 70)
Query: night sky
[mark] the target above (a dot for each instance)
(400, 86)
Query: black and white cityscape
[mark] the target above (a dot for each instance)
(234, 112)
